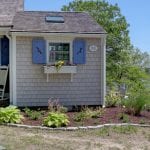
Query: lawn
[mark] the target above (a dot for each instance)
(114, 138)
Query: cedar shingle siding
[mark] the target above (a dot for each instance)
(34, 90)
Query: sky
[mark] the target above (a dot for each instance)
(137, 13)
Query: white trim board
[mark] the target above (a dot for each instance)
(13, 70)
(66, 35)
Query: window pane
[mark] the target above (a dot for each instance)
(59, 51)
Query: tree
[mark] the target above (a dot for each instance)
(124, 62)
(118, 41)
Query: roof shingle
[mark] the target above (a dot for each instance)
(75, 22)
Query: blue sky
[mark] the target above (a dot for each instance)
(137, 13)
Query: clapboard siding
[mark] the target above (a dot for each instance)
(34, 90)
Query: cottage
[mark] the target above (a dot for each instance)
(32, 43)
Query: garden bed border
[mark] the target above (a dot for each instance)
(76, 128)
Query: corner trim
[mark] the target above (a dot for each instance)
(14, 96)
(103, 73)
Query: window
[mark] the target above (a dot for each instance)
(59, 51)
(54, 19)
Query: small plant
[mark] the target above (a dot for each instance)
(80, 117)
(58, 65)
(54, 106)
(56, 119)
(94, 113)
(87, 113)
(113, 99)
(124, 117)
(136, 103)
(10, 114)
(34, 115)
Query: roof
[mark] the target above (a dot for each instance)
(75, 22)
(5, 20)
(8, 9)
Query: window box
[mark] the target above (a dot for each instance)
(64, 69)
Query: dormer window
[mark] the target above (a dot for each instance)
(55, 19)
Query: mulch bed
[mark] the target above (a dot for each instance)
(110, 115)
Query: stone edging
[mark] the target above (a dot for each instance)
(76, 128)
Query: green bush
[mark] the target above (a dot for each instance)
(10, 114)
(56, 119)
(88, 113)
(136, 103)
(80, 116)
(34, 115)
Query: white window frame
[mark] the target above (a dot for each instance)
(69, 41)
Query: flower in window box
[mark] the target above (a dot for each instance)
(58, 65)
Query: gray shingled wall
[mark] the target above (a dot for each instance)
(34, 90)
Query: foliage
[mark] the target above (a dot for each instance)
(136, 102)
(113, 99)
(10, 114)
(56, 119)
(87, 113)
(34, 115)
(125, 63)
(124, 117)
(80, 116)
(118, 41)
(54, 106)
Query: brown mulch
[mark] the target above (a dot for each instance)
(110, 115)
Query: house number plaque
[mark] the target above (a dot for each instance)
(93, 48)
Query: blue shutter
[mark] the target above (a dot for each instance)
(79, 52)
(39, 51)
(4, 51)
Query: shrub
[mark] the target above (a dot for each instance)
(94, 113)
(112, 99)
(80, 116)
(136, 102)
(87, 113)
(10, 114)
(56, 119)
(34, 115)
